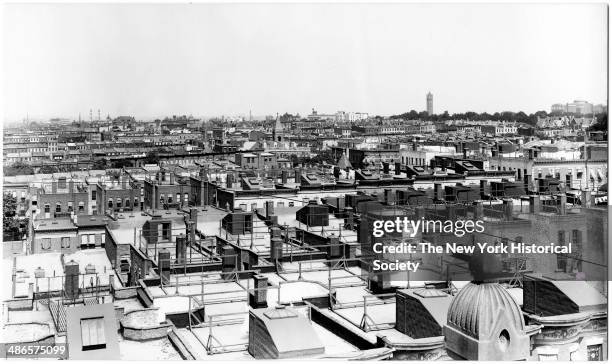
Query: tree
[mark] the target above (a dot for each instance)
(18, 168)
(48, 169)
(99, 164)
(121, 163)
(601, 124)
(295, 160)
(12, 227)
(152, 158)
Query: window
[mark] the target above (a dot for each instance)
(93, 195)
(45, 244)
(110, 203)
(561, 237)
(186, 197)
(594, 352)
(92, 333)
(58, 207)
(70, 209)
(65, 242)
(47, 208)
(81, 206)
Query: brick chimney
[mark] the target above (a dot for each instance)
(478, 210)
(71, 280)
(181, 249)
(508, 207)
(284, 175)
(562, 200)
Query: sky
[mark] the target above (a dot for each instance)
(154, 60)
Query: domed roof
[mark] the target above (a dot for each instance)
(478, 307)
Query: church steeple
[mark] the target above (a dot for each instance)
(277, 132)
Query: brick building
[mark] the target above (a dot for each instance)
(62, 198)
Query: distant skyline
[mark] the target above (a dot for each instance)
(155, 60)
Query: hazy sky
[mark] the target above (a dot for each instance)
(212, 59)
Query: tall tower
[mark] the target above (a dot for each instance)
(429, 103)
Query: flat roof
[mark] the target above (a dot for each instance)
(54, 224)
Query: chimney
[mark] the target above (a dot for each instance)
(39, 273)
(275, 232)
(337, 172)
(335, 248)
(171, 178)
(71, 280)
(284, 176)
(526, 180)
(230, 180)
(258, 298)
(420, 212)
(341, 203)
(229, 260)
(70, 186)
(54, 187)
(483, 188)
(585, 198)
(451, 211)
(389, 197)
(123, 182)
(478, 210)
(438, 192)
(269, 208)
(562, 204)
(348, 219)
(181, 248)
(385, 167)
(398, 168)
(276, 248)
(534, 204)
(155, 204)
(163, 262)
(464, 153)
(508, 206)
(193, 214)
(297, 175)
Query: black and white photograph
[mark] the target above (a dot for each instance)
(320, 181)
